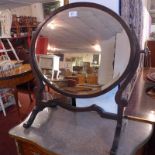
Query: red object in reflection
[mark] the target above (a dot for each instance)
(42, 44)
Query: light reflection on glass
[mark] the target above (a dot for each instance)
(151, 115)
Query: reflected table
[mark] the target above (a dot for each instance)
(16, 76)
(61, 132)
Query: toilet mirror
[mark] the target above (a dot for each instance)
(82, 50)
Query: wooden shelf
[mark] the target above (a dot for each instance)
(23, 24)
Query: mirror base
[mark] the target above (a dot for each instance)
(36, 110)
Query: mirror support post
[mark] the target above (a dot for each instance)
(38, 95)
(40, 103)
(73, 102)
(117, 130)
(122, 100)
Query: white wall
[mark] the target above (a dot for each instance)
(146, 24)
(112, 4)
(37, 11)
(22, 11)
(152, 28)
(6, 21)
(34, 10)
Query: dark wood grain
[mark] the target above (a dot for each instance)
(16, 76)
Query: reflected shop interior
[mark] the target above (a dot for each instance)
(84, 47)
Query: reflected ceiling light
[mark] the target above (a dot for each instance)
(52, 48)
(51, 26)
(48, 47)
(97, 47)
(151, 115)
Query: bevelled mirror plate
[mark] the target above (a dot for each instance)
(82, 50)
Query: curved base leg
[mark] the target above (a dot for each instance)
(36, 110)
(117, 131)
(31, 118)
(116, 141)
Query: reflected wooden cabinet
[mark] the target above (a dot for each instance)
(23, 25)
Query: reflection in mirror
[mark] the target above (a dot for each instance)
(82, 50)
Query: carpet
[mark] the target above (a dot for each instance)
(7, 144)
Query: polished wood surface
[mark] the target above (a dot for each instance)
(141, 105)
(62, 132)
(16, 76)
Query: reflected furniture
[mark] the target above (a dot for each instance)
(49, 63)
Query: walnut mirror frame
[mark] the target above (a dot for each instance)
(111, 27)
(76, 58)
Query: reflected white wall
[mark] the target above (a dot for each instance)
(112, 4)
(122, 53)
(107, 58)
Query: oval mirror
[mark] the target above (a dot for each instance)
(82, 50)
